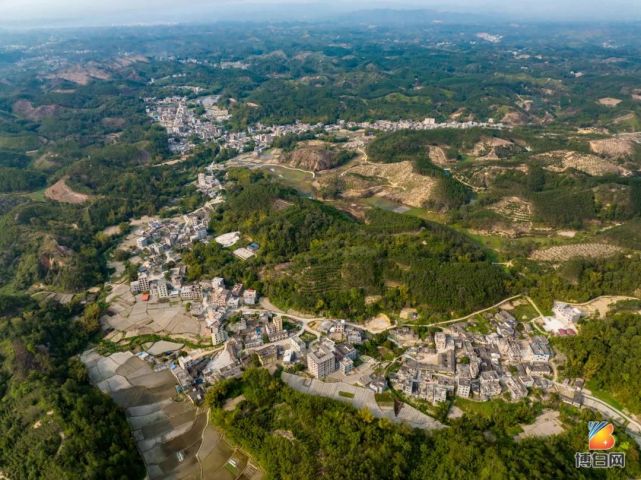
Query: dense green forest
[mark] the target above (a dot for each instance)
(607, 353)
(53, 423)
(272, 424)
(16, 180)
(579, 279)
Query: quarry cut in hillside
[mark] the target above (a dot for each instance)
(315, 157)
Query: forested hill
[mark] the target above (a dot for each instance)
(53, 423)
(316, 258)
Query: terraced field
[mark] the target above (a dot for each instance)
(563, 253)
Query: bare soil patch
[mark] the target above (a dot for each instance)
(612, 147)
(46, 161)
(483, 176)
(232, 403)
(563, 253)
(491, 148)
(456, 116)
(60, 192)
(81, 75)
(313, 155)
(514, 118)
(514, 208)
(600, 306)
(609, 101)
(128, 60)
(397, 182)
(24, 108)
(111, 231)
(545, 425)
(562, 160)
(378, 324)
(438, 156)
(628, 117)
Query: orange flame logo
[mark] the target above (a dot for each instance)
(600, 435)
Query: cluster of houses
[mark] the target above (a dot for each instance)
(161, 239)
(341, 331)
(218, 301)
(209, 185)
(425, 124)
(183, 122)
(458, 362)
(159, 243)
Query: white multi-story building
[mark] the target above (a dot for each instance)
(463, 387)
(161, 288)
(218, 334)
(321, 362)
(249, 297)
(346, 365)
(143, 282)
(190, 292)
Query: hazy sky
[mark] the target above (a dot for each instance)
(94, 12)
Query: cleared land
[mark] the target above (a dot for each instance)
(161, 425)
(562, 253)
(490, 148)
(609, 101)
(612, 147)
(60, 192)
(562, 160)
(395, 181)
(378, 324)
(517, 210)
(438, 156)
(600, 306)
(81, 75)
(545, 425)
(125, 314)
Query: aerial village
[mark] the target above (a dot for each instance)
(168, 339)
(459, 361)
(204, 119)
(510, 358)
